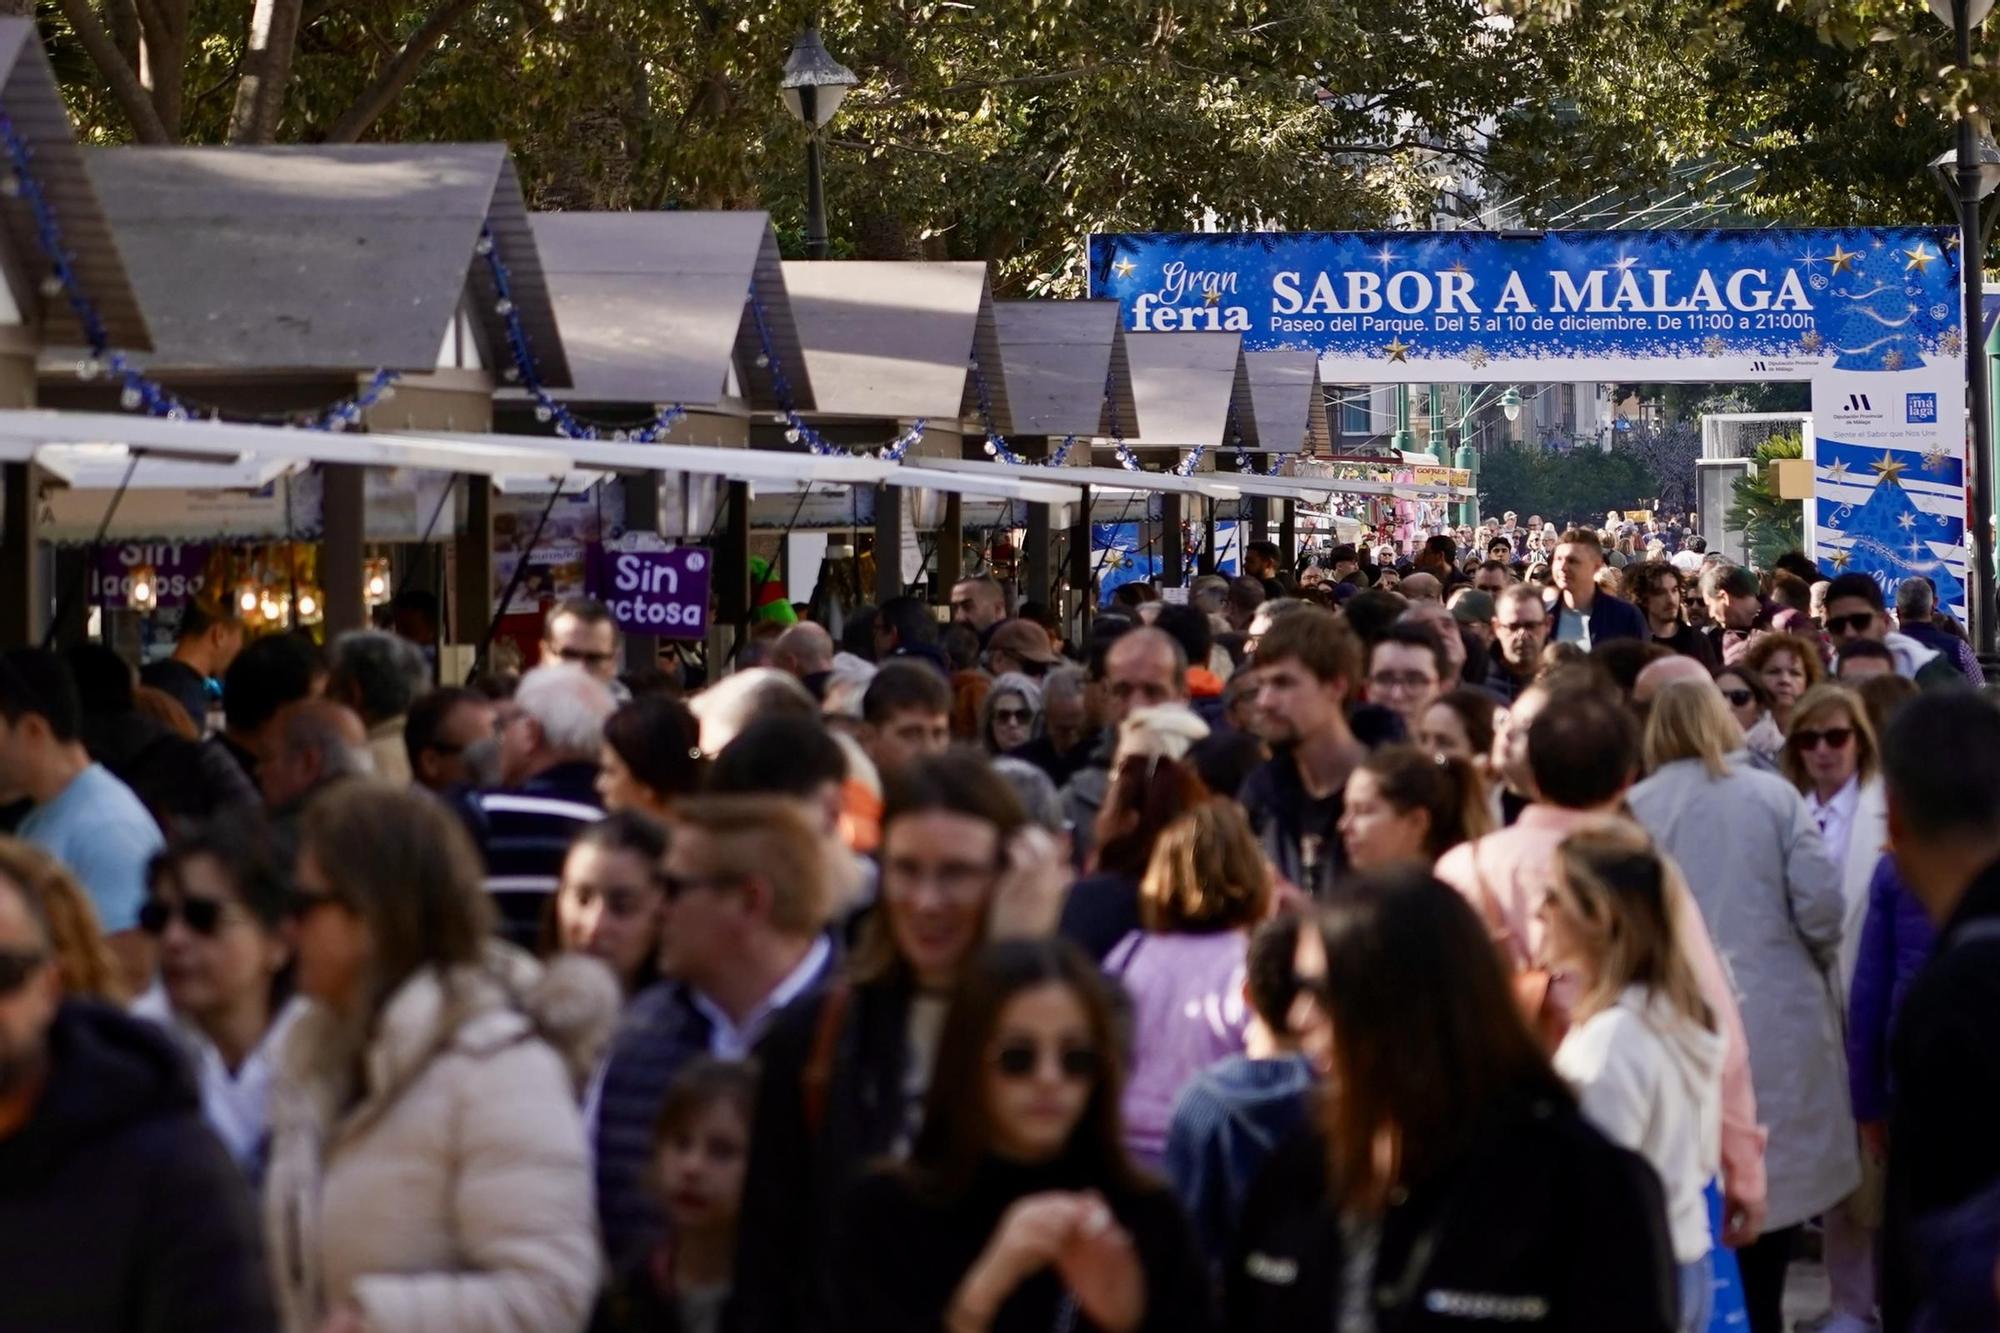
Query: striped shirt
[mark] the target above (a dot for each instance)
(526, 832)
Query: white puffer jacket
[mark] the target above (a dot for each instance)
(453, 1195)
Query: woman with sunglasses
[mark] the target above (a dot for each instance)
(1644, 1051)
(1750, 704)
(428, 1165)
(1452, 1181)
(1789, 665)
(1831, 757)
(1771, 897)
(1009, 715)
(846, 1073)
(1018, 1209)
(216, 906)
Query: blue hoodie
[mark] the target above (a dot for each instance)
(1226, 1124)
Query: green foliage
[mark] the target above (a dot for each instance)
(1564, 484)
(1770, 526)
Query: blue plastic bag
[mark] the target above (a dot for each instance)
(1729, 1314)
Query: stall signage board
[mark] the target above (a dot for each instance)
(663, 594)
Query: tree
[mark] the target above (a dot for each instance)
(1770, 526)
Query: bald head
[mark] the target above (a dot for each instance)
(1422, 588)
(803, 650)
(1667, 671)
(1144, 669)
(314, 741)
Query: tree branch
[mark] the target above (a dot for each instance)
(379, 95)
(110, 61)
(267, 71)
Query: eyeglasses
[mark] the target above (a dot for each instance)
(959, 881)
(1401, 680)
(1019, 1060)
(203, 915)
(17, 966)
(1018, 717)
(1739, 698)
(1835, 738)
(1854, 624)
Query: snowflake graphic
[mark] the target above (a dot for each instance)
(1938, 311)
(1950, 343)
(1713, 345)
(1818, 281)
(1892, 360)
(1810, 342)
(1475, 356)
(1935, 458)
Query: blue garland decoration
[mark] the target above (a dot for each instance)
(1244, 463)
(996, 445)
(797, 428)
(523, 370)
(139, 391)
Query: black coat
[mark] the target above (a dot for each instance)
(800, 1172)
(119, 1209)
(1944, 1125)
(902, 1255)
(1542, 1223)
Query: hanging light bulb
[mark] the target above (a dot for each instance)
(310, 609)
(246, 598)
(375, 581)
(145, 594)
(270, 607)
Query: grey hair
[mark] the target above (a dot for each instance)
(569, 705)
(1915, 599)
(315, 726)
(1065, 682)
(725, 708)
(1004, 684)
(383, 672)
(1209, 593)
(1037, 792)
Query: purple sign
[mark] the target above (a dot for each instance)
(177, 572)
(663, 594)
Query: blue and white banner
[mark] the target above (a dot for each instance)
(1872, 317)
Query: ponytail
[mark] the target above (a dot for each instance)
(1447, 788)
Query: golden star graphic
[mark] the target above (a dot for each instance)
(1398, 350)
(1887, 469)
(1123, 268)
(1839, 559)
(1211, 297)
(1458, 267)
(1951, 242)
(1843, 260)
(1920, 259)
(1837, 470)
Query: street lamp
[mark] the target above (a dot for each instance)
(814, 86)
(1975, 179)
(1510, 404)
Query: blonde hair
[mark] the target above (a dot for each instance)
(83, 960)
(1691, 720)
(768, 839)
(1819, 699)
(1206, 874)
(1618, 892)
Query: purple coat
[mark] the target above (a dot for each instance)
(1896, 938)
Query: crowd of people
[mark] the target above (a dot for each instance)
(1511, 936)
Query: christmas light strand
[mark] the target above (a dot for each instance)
(797, 429)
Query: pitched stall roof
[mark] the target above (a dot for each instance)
(1187, 385)
(1290, 404)
(323, 258)
(1059, 355)
(655, 307)
(895, 339)
(28, 94)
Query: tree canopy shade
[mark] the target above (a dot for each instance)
(1006, 130)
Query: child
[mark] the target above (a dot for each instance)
(701, 1142)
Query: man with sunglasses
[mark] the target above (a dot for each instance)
(1520, 628)
(1855, 610)
(120, 1208)
(581, 632)
(1020, 646)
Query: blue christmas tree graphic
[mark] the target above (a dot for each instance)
(1875, 316)
(1886, 541)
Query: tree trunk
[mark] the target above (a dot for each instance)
(408, 62)
(163, 68)
(267, 70)
(104, 53)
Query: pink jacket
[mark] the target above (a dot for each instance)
(1517, 866)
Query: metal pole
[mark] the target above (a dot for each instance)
(816, 242)
(1972, 252)
(1403, 439)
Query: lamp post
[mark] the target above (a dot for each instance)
(814, 86)
(1974, 179)
(1469, 405)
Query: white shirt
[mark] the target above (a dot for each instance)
(732, 1041)
(1836, 819)
(235, 1105)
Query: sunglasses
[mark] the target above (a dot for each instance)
(1834, 737)
(1018, 1060)
(17, 966)
(1739, 698)
(203, 915)
(1855, 623)
(1012, 716)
